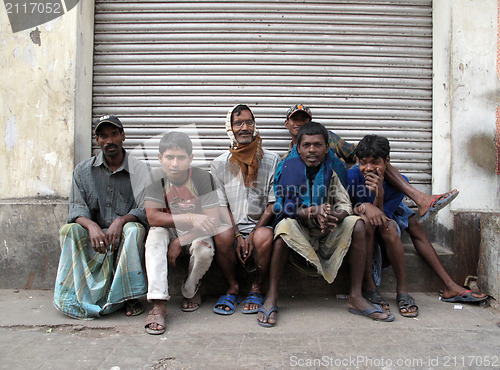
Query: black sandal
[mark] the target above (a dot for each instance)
(405, 302)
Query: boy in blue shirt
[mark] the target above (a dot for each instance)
(379, 204)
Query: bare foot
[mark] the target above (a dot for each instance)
(191, 304)
(360, 304)
(425, 201)
(461, 294)
(270, 319)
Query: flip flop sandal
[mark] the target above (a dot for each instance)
(155, 318)
(373, 296)
(267, 313)
(405, 302)
(375, 309)
(252, 298)
(135, 307)
(465, 297)
(438, 202)
(228, 300)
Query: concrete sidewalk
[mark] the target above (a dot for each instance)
(312, 332)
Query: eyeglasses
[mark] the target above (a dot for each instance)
(248, 122)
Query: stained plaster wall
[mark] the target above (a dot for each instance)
(37, 108)
(465, 101)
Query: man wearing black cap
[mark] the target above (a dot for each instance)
(100, 266)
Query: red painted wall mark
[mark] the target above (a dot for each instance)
(497, 142)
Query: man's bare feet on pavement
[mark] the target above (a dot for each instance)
(361, 305)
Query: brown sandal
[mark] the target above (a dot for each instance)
(155, 317)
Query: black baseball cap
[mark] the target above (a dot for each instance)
(108, 119)
(297, 108)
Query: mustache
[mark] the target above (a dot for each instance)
(245, 132)
(107, 146)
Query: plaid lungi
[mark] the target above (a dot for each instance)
(90, 284)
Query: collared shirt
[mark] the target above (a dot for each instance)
(247, 204)
(102, 195)
(340, 147)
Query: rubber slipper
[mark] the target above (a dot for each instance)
(438, 202)
(405, 301)
(228, 300)
(376, 309)
(267, 313)
(465, 297)
(252, 298)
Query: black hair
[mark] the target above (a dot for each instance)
(312, 128)
(237, 110)
(176, 139)
(373, 146)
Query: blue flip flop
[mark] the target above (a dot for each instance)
(253, 298)
(465, 297)
(267, 313)
(228, 300)
(377, 308)
(439, 202)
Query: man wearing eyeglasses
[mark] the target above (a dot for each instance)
(244, 177)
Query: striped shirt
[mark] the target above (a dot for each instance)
(247, 204)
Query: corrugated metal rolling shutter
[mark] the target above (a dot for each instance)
(362, 66)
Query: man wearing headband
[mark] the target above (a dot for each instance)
(428, 205)
(100, 266)
(244, 177)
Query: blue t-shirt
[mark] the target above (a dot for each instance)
(359, 193)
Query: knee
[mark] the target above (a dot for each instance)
(369, 229)
(133, 228)
(359, 230)
(72, 229)
(263, 238)
(224, 241)
(389, 233)
(204, 251)
(279, 244)
(157, 237)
